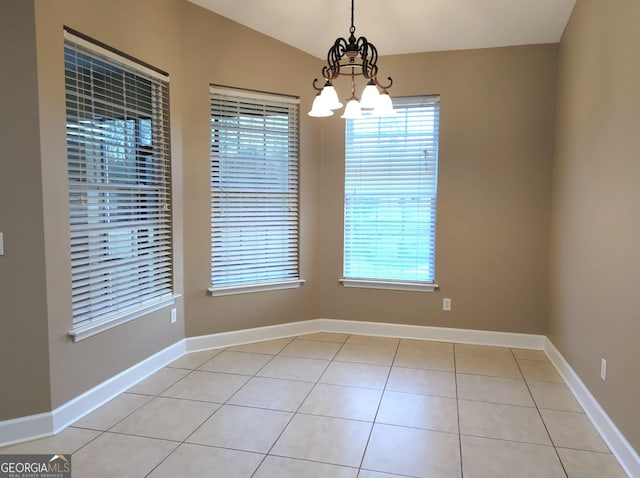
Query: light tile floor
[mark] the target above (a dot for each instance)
(341, 406)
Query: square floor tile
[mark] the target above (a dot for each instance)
(373, 340)
(67, 441)
(426, 345)
(485, 457)
(413, 452)
(193, 360)
(241, 363)
(490, 365)
(419, 411)
(366, 353)
(356, 375)
(342, 402)
(508, 391)
(325, 337)
(272, 393)
(113, 411)
(327, 440)
(207, 386)
(539, 371)
(484, 350)
(294, 368)
(242, 428)
(311, 349)
(278, 467)
(166, 418)
(573, 430)
(158, 382)
(425, 358)
(530, 354)
(589, 464)
(554, 396)
(196, 461)
(124, 456)
(426, 382)
(505, 422)
(269, 347)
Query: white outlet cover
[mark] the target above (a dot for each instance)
(446, 304)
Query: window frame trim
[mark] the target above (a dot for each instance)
(414, 286)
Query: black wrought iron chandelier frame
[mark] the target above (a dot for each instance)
(352, 49)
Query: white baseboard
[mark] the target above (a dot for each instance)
(615, 440)
(439, 334)
(45, 424)
(245, 336)
(26, 428)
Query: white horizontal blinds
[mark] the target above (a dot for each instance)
(119, 185)
(254, 188)
(391, 175)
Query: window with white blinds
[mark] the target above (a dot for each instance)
(119, 177)
(391, 177)
(254, 191)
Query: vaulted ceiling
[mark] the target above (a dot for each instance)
(401, 26)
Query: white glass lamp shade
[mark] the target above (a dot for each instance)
(319, 108)
(370, 96)
(330, 97)
(352, 111)
(384, 106)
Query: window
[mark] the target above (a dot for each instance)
(254, 191)
(118, 160)
(391, 176)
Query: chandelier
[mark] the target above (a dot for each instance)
(353, 57)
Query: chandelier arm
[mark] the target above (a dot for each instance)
(384, 87)
(332, 70)
(369, 54)
(315, 80)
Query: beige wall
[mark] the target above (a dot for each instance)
(24, 356)
(496, 143)
(216, 50)
(148, 30)
(595, 267)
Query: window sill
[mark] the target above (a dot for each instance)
(94, 327)
(262, 287)
(390, 285)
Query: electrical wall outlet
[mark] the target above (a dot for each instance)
(173, 316)
(603, 369)
(446, 304)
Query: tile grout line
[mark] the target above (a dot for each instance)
(205, 420)
(185, 441)
(294, 414)
(108, 430)
(373, 423)
(455, 379)
(526, 383)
